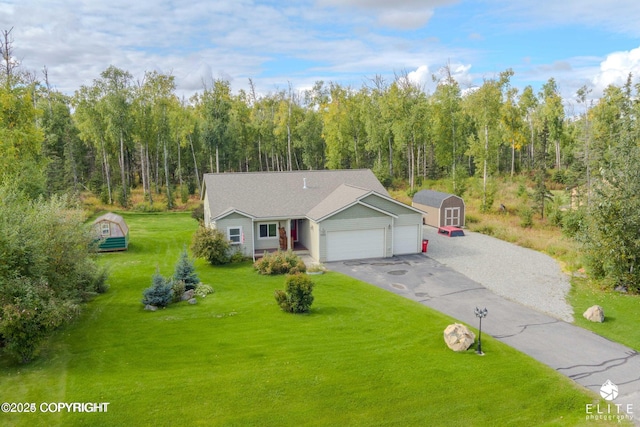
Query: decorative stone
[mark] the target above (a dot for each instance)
(192, 301)
(458, 337)
(149, 307)
(594, 314)
(187, 295)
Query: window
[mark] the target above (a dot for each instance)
(235, 235)
(268, 231)
(106, 229)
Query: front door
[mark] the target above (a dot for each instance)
(294, 230)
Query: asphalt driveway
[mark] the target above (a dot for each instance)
(581, 355)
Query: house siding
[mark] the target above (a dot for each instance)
(269, 242)
(357, 217)
(388, 205)
(237, 220)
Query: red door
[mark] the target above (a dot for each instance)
(294, 230)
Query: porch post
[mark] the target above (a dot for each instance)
(253, 239)
(288, 230)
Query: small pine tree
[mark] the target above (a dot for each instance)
(186, 271)
(160, 293)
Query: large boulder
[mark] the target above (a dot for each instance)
(458, 337)
(594, 313)
(188, 294)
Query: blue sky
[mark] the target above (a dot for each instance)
(277, 43)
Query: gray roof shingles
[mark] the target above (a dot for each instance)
(283, 194)
(431, 197)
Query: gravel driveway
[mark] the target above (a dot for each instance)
(518, 274)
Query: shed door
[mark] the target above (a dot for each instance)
(405, 239)
(452, 216)
(355, 244)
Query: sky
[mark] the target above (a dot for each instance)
(280, 43)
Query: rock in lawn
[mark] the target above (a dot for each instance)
(188, 295)
(594, 313)
(149, 307)
(192, 301)
(458, 337)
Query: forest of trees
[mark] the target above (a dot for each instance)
(123, 132)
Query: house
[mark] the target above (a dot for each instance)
(441, 209)
(331, 215)
(112, 231)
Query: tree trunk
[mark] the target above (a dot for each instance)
(217, 159)
(166, 174)
(513, 158)
(195, 165)
(105, 164)
(148, 172)
(484, 171)
(143, 172)
(122, 170)
(390, 159)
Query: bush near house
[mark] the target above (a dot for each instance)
(280, 263)
(211, 245)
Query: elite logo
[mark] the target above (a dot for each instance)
(609, 391)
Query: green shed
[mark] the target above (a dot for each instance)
(112, 232)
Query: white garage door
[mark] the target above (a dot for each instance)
(355, 244)
(405, 239)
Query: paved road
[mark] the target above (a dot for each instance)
(581, 355)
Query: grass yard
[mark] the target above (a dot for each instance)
(621, 312)
(363, 356)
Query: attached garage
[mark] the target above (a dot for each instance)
(440, 209)
(406, 239)
(355, 244)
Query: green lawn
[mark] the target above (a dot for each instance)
(363, 356)
(621, 312)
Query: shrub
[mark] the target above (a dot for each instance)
(526, 217)
(178, 288)
(159, 293)
(198, 213)
(203, 290)
(237, 257)
(46, 268)
(211, 245)
(280, 263)
(298, 296)
(184, 194)
(573, 222)
(185, 271)
(30, 315)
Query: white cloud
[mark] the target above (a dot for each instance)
(421, 76)
(615, 69)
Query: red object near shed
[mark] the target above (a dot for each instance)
(450, 231)
(425, 244)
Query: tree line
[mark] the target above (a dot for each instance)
(119, 133)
